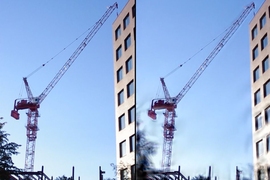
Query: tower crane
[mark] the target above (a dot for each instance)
(169, 104)
(32, 103)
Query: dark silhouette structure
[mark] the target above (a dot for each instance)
(161, 175)
(40, 175)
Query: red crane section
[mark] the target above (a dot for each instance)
(33, 103)
(170, 103)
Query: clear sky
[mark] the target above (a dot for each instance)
(214, 118)
(77, 117)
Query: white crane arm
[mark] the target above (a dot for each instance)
(77, 52)
(216, 50)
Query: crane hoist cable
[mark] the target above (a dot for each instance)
(21, 90)
(158, 91)
(181, 65)
(36, 70)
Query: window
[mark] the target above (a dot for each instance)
(131, 115)
(255, 52)
(121, 122)
(129, 64)
(118, 52)
(267, 114)
(257, 97)
(265, 64)
(122, 148)
(126, 21)
(133, 171)
(120, 74)
(254, 32)
(266, 88)
(260, 174)
(132, 143)
(117, 32)
(262, 21)
(134, 33)
(264, 41)
(268, 143)
(121, 97)
(268, 172)
(123, 174)
(133, 11)
(258, 122)
(259, 148)
(127, 42)
(256, 74)
(130, 88)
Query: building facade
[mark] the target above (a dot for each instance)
(124, 89)
(260, 88)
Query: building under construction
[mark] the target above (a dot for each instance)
(260, 90)
(124, 59)
(35, 175)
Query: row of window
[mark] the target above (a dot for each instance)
(265, 67)
(126, 22)
(124, 173)
(122, 120)
(259, 119)
(266, 92)
(260, 148)
(264, 43)
(254, 31)
(130, 91)
(120, 71)
(127, 44)
(123, 146)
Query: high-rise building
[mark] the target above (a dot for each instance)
(124, 89)
(260, 89)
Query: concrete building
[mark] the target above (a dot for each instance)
(124, 88)
(260, 89)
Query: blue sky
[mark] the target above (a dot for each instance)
(77, 120)
(214, 118)
(77, 117)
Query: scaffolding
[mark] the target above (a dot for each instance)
(22, 175)
(161, 175)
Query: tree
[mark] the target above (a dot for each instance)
(7, 149)
(144, 150)
(118, 170)
(200, 177)
(63, 178)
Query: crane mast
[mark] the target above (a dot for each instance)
(170, 103)
(33, 103)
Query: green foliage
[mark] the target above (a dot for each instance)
(63, 178)
(144, 150)
(118, 168)
(7, 149)
(200, 177)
